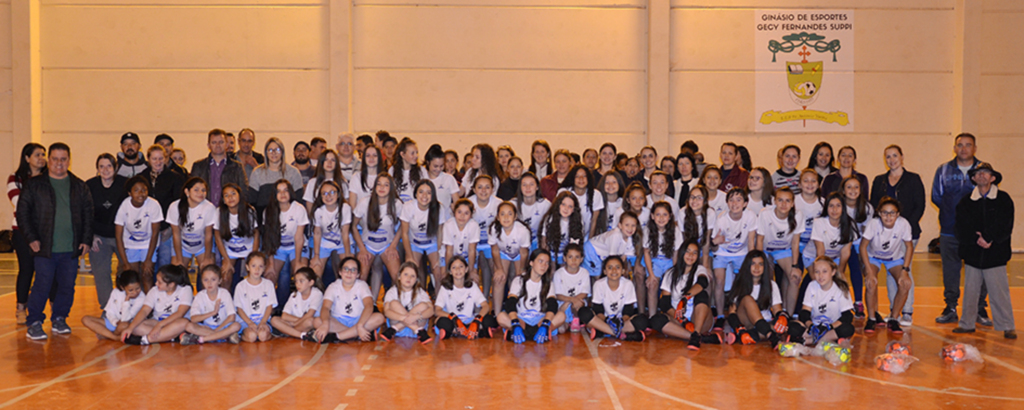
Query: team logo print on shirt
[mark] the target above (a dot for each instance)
(256, 305)
(216, 317)
(189, 226)
(779, 235)
(348, 308)
(460, 306)
(572, 292)
(885, 245)
(614, 307)
(834, 243)
(137, 224)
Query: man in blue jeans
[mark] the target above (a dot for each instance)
(55, 214)
(950, 185)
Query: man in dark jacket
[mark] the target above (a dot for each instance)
(949, 186)
(49, 205)
(217, 169)
(984, 223)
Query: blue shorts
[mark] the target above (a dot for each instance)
(187, 255)
(568, 314)
(418, 248)
(244, 325)
(777, 254)
(347, 321)
(534, 318)
(110, 326)
(285, 254)
(889, 263)
(505, 257)
(534, 244)
(326, 252)
(660, 264)
(485, 249)
(405, 332)
(731, 264)
(138, 255)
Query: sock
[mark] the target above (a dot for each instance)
(144, 340)
(734, 321)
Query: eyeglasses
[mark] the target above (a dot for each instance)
(696, 197)
(350, 270)
(888, 213)
(345, 144)
(330, 193)
(275, 150)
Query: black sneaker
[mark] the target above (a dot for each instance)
(719, 324)
(869, 326)
(424, 336)
(635, 337)
(694, 343)
(331, 338)
(983, 319)
(59, 326)
(133, 340)
(35, 331)
(276, 333)
(388, 334)
(309, 336)
(879, 320)
(858, 310)
(1010, 334)
(962, 330)
(894, 327)
(948, 316)
(189, 339)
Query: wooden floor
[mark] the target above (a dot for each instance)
(80, 372)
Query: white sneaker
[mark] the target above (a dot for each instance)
(906, 320)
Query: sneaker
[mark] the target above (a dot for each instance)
(1010, 334)
(894, 327)
(719, 324)
(309, 336)
(424, 336)
(388, 334)
(746, 337)
(710, 338)
(636, 337)
(35, 331)
(133, 340)
(858, 310)
(234, 338)
(694, 343)
(21, 314)
(276, 333)
(60, 327)
(331, 338)
(575, 325)
(189, 339)
(983, 320)
(907, 320)
(962, 330)
(948, 316)
(879, 320)
(869, 326)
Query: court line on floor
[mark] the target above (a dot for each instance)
(908, 386)
(316, 357)
(992, 359)
(152, 352)
(603, 373)
(62, 377)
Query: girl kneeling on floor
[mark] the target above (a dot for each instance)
(754, 301)
(614, 312)
(531, 310)
(349, 308)
(827, 314)
(461, 308)
(684, 306)
(407, 306)
(303, 305)
(169, 303)
(212, 317)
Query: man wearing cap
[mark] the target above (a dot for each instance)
(984, 223)
(217, 169)
(949, 186)
(301, 163)
(130, 162)
(167, 142)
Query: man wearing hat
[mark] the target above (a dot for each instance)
(167, 142)
(130, 162)
(984, 223)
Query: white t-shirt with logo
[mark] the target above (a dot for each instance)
(644, 216)
(826, 305)
(532, 214)
(347, 302)
(253, 300)
(238, 246)
(445, 185)
(612, 243)
(378, 240)
(530, 300)
(298, 307)
(712, 220)
(571, 284)
(828, 235)
(484, 215)
(776, 299)
(193, 234)
(165, 304)
(138, 222)
(888, 243)
(776, 232)
(291, 220)
(355, 186)
(614, 301)
(677, 236)
(408, 299)
(509, 243)
(202, 304)
(458, 239)
(330, 230)
(809, 211)
(680, 288)
(585, 210)
(417, 219)
(121, 309)
(460, 301)
(736, 233)
(405, 190)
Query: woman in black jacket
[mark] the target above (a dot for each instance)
(908, 189)
(108, 191)
(167, 185)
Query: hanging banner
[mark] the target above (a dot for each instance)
(803, 62)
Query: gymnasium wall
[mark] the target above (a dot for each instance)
(573, 72)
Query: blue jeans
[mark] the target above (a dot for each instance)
(59, 270)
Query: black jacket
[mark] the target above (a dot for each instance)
(993, 218)
(36, 212)
(910, 193)
(166, 188)
(233, 172)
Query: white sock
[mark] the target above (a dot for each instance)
(145, 340)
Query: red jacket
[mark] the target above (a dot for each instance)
(549, 187)
(737, 178)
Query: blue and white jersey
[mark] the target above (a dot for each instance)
(330, 228)
(193, 232)
(138, 222)
(614, 301)
(377, 241)
(253, 300)
(238, 246)
(165, 304)
(202, 304)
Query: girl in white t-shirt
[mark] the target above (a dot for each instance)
(212, 316)
(169, 302)
(662, 240)
(887, 242)
(832, 234)
(760, 190)
(861, 212)
(612, 188)
(191, 219)
(485, 206)
(809, 204)
(136, 229)
(754, 301)
(445, 185)
(735, 235)
(347, 310)
(827, 314)
(125, 302)
(255, 299)
(711, 178)
(562, 225)
(531, 310)
(327, 169)
(422, 220)
(532, 206)
(364, 181)
(624, 241)
(331, 218)
(303, 305)
(235, 230)
(460, 236)
(407, 307)
(377, 217)
(406, 170)
(284, 230)
(684, 307)
(572, 286)
(778, 235)
(635, 200)
(613, 311)
(579, 182)
(509, 239)
(461, 308)
(698, 222)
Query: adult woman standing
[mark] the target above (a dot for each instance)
(847, 162)
(549, 185)
(263, 179)
(33, 162)
(908, 189)
(686, 178)
(108, 191)
(166, 186)
(605, 160)
(822, 160)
